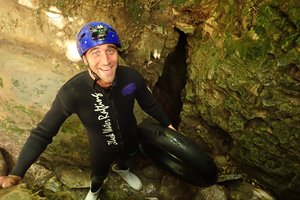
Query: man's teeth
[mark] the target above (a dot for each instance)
(107, 69)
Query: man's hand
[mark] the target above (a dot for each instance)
(10, 180)
(171, 127)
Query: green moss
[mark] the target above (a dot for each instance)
(294, 14)
(135, 9)
(72, 125)
(12, 108)
(178, 2)
(1, 82)
(13, 113)
(15, 82)
(114, 195)
(58, 3)
(289, 42)
(277, 29)
(61, 3)
(60, 195)
(162, 6)
(11, 127)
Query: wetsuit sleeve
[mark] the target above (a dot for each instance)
(40, 137)
(150, 105)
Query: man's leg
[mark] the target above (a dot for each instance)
(122, 166)
(96, 185)
(100, 168)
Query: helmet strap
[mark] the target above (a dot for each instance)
(86, 62)
(95, 75)
(96, 78)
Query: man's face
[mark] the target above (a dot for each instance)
(103, 60)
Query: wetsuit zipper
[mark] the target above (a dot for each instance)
(108, 96)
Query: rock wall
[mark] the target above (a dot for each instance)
(243, 83)
(241, 98)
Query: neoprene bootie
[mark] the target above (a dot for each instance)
(129, 177)
(92, 195)
(94, 191)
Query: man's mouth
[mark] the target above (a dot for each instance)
(105, 69)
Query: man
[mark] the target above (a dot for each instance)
(103, 98)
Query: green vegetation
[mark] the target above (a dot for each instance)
(1, 82)
(178, 2)
(135, 9)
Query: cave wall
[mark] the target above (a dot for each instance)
(243, 78)
(241, 96)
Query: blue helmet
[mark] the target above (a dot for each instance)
(96, 33)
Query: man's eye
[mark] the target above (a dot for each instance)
(111, 51)
(95, 53)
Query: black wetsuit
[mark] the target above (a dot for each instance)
(107, 114)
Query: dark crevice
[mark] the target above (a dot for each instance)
(172, 81)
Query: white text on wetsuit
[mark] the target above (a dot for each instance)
(105, 119)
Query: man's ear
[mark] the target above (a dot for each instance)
(85, 61)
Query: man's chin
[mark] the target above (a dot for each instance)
(107, 80)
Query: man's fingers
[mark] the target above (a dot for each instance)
(8, 181)
(6, 184)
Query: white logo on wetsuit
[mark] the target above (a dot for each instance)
(104, 116)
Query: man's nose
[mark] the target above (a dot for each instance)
(105, 59)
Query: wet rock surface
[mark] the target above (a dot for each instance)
(238, 96)
(69, 182)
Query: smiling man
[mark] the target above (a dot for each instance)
(103, 61)
(103, 98)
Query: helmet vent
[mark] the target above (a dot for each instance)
(82, 36)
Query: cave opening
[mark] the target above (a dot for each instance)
(170, 84)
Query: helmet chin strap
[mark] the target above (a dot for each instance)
(86, 62)
(91, 71)
(95, 75)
